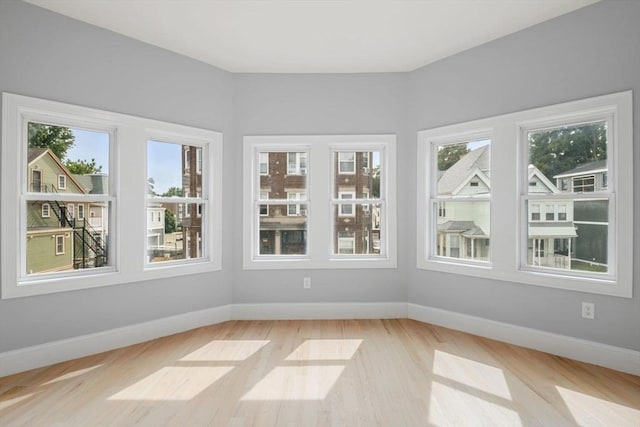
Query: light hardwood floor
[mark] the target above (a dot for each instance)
(321, 373)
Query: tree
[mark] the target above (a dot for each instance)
(83, 167)
(173, 191)
(559, 150)
(57, 138)
(448, 155)
(375, 183)
(169, 221)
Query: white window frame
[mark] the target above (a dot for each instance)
(341, 161)
(62, 182)
(127, 213)
(510, 190)
(80, 211)
(295, 195)
(264, 195)
(59, 238)
(320, 201)
(351, 240)
(264, 161)
(298, 168)
(347, 195)
(71, 213)
(45, 213)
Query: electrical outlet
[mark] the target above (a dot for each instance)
(588, 310)
(306, 283)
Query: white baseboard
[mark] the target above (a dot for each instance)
(304, 311)
(37, 356)
(617, 358)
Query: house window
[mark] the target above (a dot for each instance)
(549, 214)
(347, 209)
(264, 163)
(365, 162)
(442, 210)
(167, 239)
(356, 223)
(59, 245)
(347, 163)
(88, 253)
(346, 242)
(296, 210)
(584, 184)
(45, 210)
(297, 163)
(570, 231)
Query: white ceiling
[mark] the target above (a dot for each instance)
(314, 36)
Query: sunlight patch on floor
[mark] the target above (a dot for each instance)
(480, 376)
(325, 349)
(5, 403)
(173, 383)
(73, 374)
(296, 383)
(225, 351)
(452, 406)
(600, 411)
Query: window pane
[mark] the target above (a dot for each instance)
(463, 230)
(577, 240)
(357, 173)
(67, 160)
(174, 231)
(174, 170)
(568, 158)
(58, 241)
(360, 233)
(464, 168)
(287, 175)
(283, 231)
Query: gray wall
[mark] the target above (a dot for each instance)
(46, 55)
(321, 104)
(592, 51)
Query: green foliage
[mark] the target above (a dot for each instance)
(448, 155)
(83, 167)
(174, 191)
(169, 221)
(375, 183)
(57, 138)
(562, 149)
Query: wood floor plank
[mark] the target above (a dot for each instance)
(392, 372)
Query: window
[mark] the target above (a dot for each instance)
(264, 163)
(347, 163)
(170, 240)
(347, 209)
(59, 245)
(571, 230)
(86, 250)
(459, 198)
(297, 163)
(321, 218)
(550, 214)
(535, 212)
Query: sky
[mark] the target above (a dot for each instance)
(163, 159)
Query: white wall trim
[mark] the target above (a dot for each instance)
(304, 311)
(617, 358)
(72, 348)
(620, 359)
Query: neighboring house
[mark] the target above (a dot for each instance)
(98, 213)
(590, 216)
(155, 227)
(192, 214)
(464, 226)
(58, 235)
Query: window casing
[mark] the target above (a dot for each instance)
(62, 182)
(46, 210)
(539, 246)
(115, 209)
(297, 226)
